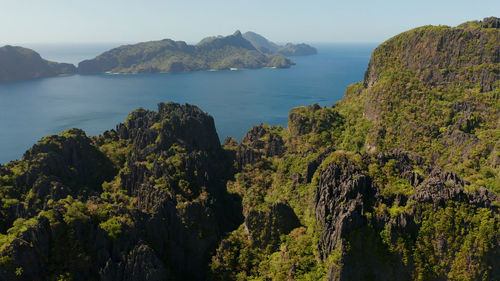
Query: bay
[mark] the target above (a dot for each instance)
(237, 100)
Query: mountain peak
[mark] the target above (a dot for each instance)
(491, 22)
(236, 39)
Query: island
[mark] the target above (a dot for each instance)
(400, 180)
(264, 45)
(213, 53)
(18, 63)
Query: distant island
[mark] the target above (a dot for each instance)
(213, 53)
(236, 51)
(399, 180)
(18, 63)
(264, 45)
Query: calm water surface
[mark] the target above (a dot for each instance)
(237, 100)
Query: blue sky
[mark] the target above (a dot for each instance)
(77, 21)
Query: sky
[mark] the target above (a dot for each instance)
(128, 21)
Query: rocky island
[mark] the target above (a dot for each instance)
(264, 45)
(397, 181)
(18, 63)
(215, 53)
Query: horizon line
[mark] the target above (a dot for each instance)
(187, 42)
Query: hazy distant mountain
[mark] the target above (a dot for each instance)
(261, 43)
(18, 63)
(264, 45)
(167, 55)
(297, 50)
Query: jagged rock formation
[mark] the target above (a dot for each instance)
(348, 203)
(54, 168)
(398, 181)
(158, 218)
(341, 200)
(446, 55)
(259, 142)
(491, 22)
(17, 63)
(217, 53)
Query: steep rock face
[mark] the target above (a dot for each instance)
(340, 203)
(348, 207)
(441, 187)
(395, 182)
(432, 91)
(491, 22)
(160, 218)
(141, 264)
(444, 55)
(313, 165)
(17, 63)
(29, 252)
(57, 166)
(70, 157)
(259, 142)
(264, 228)
(177, 154)
(315, 207)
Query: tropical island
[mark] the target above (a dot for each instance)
(231, 52)
(213, 53)
(397, 181)
(18, 63)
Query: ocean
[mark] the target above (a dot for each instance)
(237, 100)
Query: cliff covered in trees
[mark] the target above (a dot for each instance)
(397, 181)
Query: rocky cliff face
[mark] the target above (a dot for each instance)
(398, 181)
(158, 218)
(341, 200)
(17, 63)
(54, 168)
(260, 141)
(432, 90)
(395, 182)
(349, 206)
(442, 55)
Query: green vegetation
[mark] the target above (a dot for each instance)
(217, 53)
(451, 121)
(469, 234)
(18, 63)
(398, 180)
(113, 226)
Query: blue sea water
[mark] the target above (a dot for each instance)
(237, 100)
